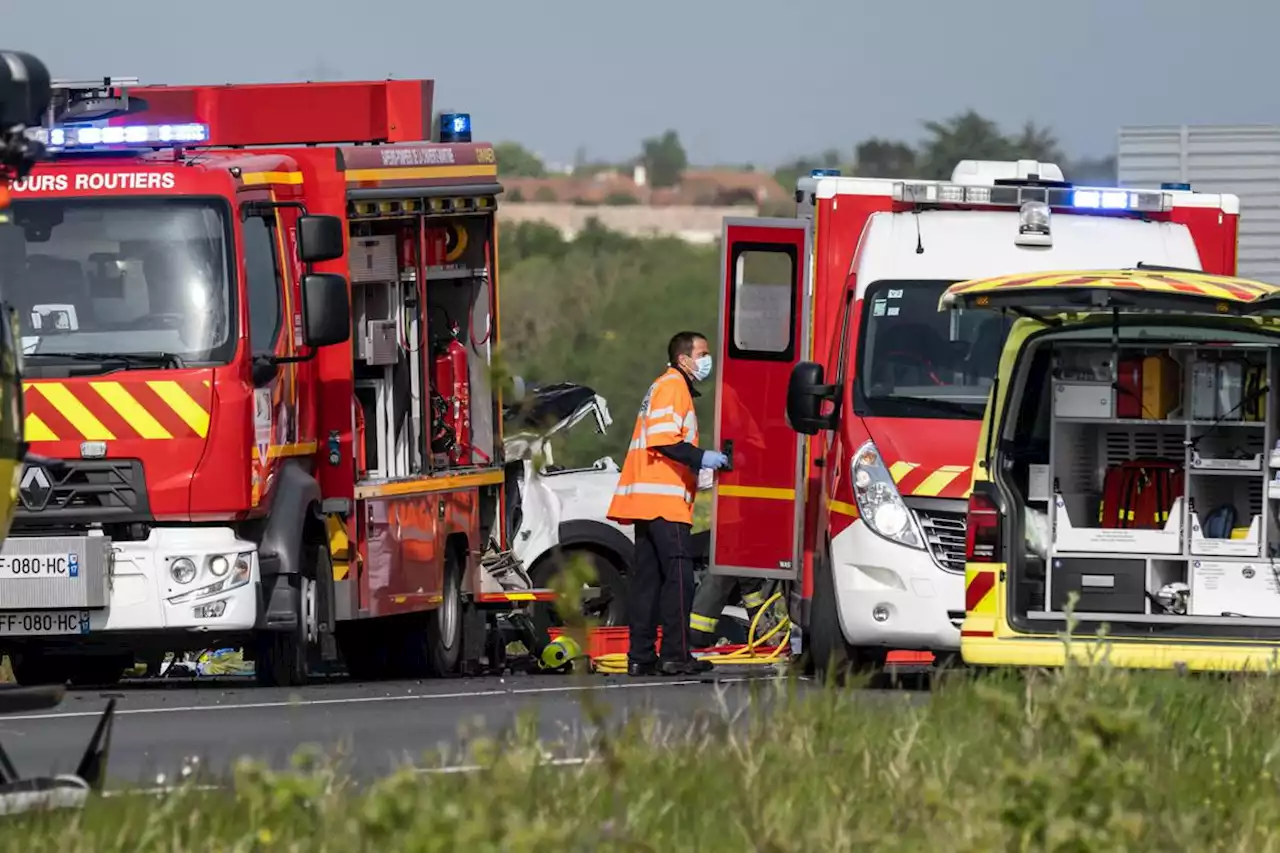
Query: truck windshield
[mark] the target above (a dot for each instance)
(915, 361)
(146, 278)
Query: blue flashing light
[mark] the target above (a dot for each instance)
(455, 127)
(1176, 186)
(824, 173)
(1106, 199)
(104, 137)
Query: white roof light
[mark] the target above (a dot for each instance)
(984, 173)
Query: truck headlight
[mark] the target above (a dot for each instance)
(182, 570)
(878, 499)
(218, 566)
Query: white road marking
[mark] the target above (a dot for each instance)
(363, 700)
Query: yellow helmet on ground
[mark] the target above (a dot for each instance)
(560, 652)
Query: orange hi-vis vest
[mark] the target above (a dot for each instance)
(651, 485)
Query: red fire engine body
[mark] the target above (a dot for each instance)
(838, 306)
(224, 462)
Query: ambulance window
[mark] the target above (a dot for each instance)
(262, 270)
(762, 302)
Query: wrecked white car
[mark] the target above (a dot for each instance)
(557, 514)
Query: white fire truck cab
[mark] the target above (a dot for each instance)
(850, 406)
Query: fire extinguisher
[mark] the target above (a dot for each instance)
(453, 383)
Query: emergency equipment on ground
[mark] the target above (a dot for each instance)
(68, 790)
(1163, 523)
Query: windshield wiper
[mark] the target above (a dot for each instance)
(132, 359)
(933, 403)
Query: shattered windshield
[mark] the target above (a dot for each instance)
(145, 277)
(916, 361)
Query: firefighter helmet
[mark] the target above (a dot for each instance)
(560, 652)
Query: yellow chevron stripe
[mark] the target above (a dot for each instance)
(182, 404)
(83, 420)
(933, 485)
(37, 430)
(898, 470)
(130, 409)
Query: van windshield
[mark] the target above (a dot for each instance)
(915, 361)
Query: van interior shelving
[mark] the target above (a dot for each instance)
(1155, 497)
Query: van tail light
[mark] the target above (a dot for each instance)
(982, 530)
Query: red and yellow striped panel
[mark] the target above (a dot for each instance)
(928, 481)
(117, 409)
(1197, 284)
(980, 605)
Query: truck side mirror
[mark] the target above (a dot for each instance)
(805, 395)
(326, 309)
(320, 238)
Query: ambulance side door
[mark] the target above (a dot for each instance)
(757, 518)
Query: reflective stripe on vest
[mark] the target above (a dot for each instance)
(651, 485)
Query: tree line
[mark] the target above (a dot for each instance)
(964, 136)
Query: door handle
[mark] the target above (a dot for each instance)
(728, 454)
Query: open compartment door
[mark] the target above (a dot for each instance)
(757, 513)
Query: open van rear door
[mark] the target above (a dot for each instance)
(757, 512)
(1141, 289)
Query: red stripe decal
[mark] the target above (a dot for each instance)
(977, 588)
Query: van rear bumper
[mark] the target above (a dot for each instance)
(1190, 656)
(873, 576)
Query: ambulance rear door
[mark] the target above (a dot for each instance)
(757, 509)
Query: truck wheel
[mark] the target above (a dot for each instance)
(609, 606)
(32, 669)
(834, 659)
(282, 657)
(443, 635)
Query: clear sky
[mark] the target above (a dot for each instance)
(741, 80)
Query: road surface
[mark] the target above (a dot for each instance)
(376, 726)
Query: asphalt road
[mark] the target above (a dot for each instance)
(375, 727)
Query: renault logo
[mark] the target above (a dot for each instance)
(35, 488)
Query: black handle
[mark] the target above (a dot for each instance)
(728, 455)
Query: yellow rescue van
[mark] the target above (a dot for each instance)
(1126, 485)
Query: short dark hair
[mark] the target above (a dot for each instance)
(681, 343)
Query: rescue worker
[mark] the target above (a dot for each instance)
(655, 493)
(713, 595)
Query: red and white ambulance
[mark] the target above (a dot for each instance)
(851, 406)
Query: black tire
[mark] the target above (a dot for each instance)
(443, 634)
(834, 659)
(32, 669)
(283, 658)
(607, 612)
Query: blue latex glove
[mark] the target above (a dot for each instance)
(714, 459)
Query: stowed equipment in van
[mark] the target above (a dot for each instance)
(1128, 479)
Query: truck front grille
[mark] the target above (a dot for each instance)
(944, 533)
(82, 491)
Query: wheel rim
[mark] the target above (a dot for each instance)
(309, 610)
(449, 618)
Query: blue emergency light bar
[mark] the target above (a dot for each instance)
(455, 127)
(1015, 195)
(824, 173)
(104, 137)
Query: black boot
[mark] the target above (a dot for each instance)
(693, 666)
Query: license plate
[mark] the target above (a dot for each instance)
(40, 566)
(36, 623)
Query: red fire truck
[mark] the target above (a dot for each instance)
(830, 325)
(225, 461)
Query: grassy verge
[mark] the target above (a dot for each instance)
(6, 674)
(1077, 761)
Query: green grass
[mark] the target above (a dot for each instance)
(6, 673)
(1067, 762)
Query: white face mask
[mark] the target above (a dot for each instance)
(701, 368)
